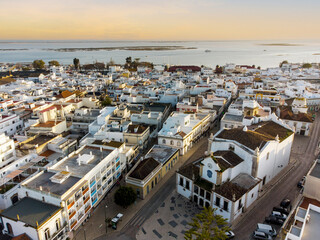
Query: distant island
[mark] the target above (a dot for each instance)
(280, 44)
(13, 49)
(131, 48)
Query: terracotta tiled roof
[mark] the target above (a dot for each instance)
(287, 114)
(226, 159)
(144, 168)
(136, 128)
(228, 189)
(257, 135)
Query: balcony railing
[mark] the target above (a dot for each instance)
(72, 215)
(73, 224)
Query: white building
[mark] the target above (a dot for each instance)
(240, 162)
(181, 130)
(10, 124)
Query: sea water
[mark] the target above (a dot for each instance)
(258, 53)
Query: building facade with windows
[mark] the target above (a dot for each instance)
(147, 173)
(181, 130)
(239, 163)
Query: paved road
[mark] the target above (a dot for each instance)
(285, 187)
(131, 229)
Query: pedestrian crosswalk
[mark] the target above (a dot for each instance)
(137, 221)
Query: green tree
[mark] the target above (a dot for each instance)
(129, 60)
(54, 63)
(106, 101)
(207, 225)
(76, 63)
(307, 65)
(283, 62)
(125, 196)
(38, 64)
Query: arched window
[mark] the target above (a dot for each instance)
(58, 224)
(171, 142)
(47, 234)
(9, 228)
(209, 173)
(163, 141)
(179, 143)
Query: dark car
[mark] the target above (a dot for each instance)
(301, 182)
(274, 220)
(285, 203)
(282, 210)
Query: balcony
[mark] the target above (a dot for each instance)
(70, 205)
(73, 224)
(84, 191)
(93, 192)
(86, 200)
(92, 184)
(87, 209)
(72, 215)
(94, 201)
(118, 159)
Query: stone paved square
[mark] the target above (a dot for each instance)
(169, 222)
(173, 223)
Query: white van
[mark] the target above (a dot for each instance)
(266, 229)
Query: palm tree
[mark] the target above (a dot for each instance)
(207, 226)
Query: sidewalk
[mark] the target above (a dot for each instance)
(95, 226)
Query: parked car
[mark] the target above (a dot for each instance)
(279, 215)
(301, 182)
(274, 220)
(261, 235)
(285, 203)
(230, 235)
(266, 229)
(282, 210)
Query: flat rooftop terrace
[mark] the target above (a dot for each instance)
(43, 181)
(316, 170)
(92, 155)
(40, 139)
(161, 153)
(311, 229)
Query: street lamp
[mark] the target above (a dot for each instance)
(105, 218)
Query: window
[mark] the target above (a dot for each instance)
(47, 234)
(225, 205)
(152, 184)
(171, 142)
(43, 199)
(231, 147)
(163, 141)
(267, 156)
(217, 201)
(196, 189)
(58, 224)
(208, 196)
(181, 181)
(201, 192)
(187, 185)
(27, 194)
(126, 140)
(209, 173)
(179, 143)
(240, 205)
(148, 189)
(252, 195)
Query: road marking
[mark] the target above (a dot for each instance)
(100, 226)
(139, 223)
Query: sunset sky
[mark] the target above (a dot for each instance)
(160, 20)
